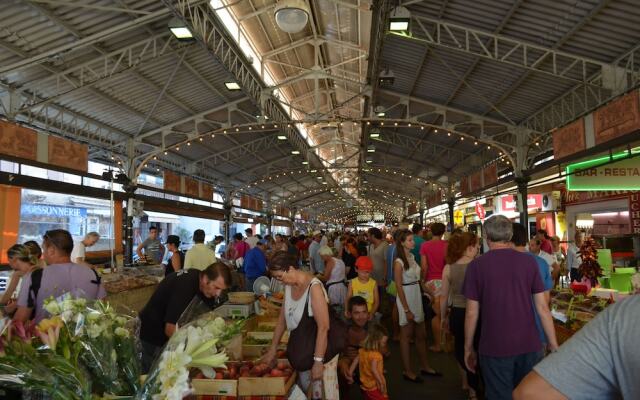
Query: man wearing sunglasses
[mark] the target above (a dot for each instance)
(61, 276)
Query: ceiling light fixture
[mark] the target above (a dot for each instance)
(232, 86)
(292, 15)
(305, 162)
(179, 29)
(295, 152)
(399, 20)
(282, 137)
(371, 149)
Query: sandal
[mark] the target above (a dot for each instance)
(429, 373)
(417, 379)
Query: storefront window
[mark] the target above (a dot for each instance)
(43, 211)
(171, 224)
(8, 166)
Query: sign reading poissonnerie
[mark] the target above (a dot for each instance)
(53, 211)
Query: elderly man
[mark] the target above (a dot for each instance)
(500, 286)
(317, 265)
(60, 277)
(173, 296)
(78, 255)
(573, 257)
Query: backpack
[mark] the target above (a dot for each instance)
(36, 282)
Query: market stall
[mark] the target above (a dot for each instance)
(131, 288)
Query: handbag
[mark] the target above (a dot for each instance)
(392, 290)
(302, 340)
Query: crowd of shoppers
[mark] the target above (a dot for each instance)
(495, 305)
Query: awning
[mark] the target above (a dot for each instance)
(162, 218)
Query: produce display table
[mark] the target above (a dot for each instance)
(133, 299)
(571, 312)
(131, 289)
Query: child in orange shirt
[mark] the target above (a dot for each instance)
(373, 383)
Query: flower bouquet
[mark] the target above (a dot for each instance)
(42, 358)
(197, 345)
(107, 340)
(83, 349)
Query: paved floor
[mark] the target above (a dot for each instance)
(447, 387)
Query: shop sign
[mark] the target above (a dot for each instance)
(634, 213)
(569, 140)
(53, 211)
(593, 175)
(480, 211)
(508, 203)
(458, 217)
(577, 197)
(618, 118)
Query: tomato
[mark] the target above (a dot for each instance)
(277, 373)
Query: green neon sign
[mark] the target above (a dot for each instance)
(601, 174)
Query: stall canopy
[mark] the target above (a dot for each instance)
(162, 218)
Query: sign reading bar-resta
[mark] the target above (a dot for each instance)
(595, 175)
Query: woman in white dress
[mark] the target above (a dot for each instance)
(407, 275)
(334, 278)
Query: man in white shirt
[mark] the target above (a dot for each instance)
(80, 249)
(324, 241)
(573, 257)
(534, 248)
(251, 240)
(317, 265)
(200, 256)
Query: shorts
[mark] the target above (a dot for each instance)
(434, 287)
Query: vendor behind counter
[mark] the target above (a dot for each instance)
(176, 294)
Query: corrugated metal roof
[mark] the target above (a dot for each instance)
(433, 84)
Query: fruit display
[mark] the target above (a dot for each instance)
(250, 340)
(249, 369)
(265, 328)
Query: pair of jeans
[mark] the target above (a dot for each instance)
(502, 374)
(248, 283)
(456, 325)
(149, 354)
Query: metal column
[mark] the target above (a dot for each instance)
(451, 202)
(130, 190)
(522, 182)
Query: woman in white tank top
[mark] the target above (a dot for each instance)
(299, 286)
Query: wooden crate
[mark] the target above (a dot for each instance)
(215, 387)
(268, 336)
(253, 351)
(563, 333)
(265, 386)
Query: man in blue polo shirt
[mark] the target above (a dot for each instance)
(255, 264)
(519, 240)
